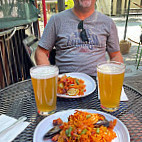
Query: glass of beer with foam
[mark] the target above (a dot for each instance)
(44, 80)
(110, 81)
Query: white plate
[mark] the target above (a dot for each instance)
(47, 123)
(88, 81)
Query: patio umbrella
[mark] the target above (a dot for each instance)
(127, 20)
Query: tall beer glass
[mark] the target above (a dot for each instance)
(44, 81)
(110, 81)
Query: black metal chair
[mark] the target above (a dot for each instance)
(30, 44)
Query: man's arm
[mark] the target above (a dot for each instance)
(116, 56)
(41, 56)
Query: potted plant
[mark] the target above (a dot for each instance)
(124, 46)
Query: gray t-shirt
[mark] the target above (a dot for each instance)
(72, 54)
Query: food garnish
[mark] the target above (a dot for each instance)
(70, 86)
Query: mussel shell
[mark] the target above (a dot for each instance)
(53, 131)
(102, 122)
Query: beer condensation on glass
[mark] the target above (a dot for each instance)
(44, 80)
(110, 79)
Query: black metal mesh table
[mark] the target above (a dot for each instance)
(18, 100)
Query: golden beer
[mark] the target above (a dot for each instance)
(110, 79)
(44, 81)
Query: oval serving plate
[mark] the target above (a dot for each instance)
(47, 123)
(88, 81)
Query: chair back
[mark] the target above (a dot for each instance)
(30, 44)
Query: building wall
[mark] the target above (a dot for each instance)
(116, 7)
(104, 6)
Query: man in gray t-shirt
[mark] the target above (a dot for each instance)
(81, 36)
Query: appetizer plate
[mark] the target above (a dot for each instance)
(88, 81)
(47, 123)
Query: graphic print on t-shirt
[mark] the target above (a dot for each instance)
(74, 40)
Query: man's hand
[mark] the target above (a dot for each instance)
(41, 56)
(116, 56)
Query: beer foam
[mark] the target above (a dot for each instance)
(44, 72)
(111, 68)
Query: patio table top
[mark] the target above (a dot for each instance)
(18, 100)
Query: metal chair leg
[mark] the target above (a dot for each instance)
(137, 51)
(139, 59)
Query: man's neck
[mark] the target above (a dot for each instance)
(83, 13)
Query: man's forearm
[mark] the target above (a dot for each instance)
(41, 57)
(116, 56)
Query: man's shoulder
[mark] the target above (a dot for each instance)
(103, 17)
